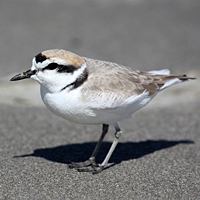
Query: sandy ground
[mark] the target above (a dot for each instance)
(158, 153)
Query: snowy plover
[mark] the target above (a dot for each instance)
(89, 91)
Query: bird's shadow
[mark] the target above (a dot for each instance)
(124, 151)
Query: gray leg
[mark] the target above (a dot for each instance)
(112, 148)
(91, 160)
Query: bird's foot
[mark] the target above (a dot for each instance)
(88, 166)
(89, 162)
(94, 169)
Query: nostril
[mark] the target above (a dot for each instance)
(29, 72)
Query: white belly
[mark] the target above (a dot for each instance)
(69, 105)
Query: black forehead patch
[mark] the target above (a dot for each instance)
(40, 58)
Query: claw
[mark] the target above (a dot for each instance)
(98, 170)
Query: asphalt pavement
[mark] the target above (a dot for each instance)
(158, 156)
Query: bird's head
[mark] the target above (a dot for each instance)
(54, 69)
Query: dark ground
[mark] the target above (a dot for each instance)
(158, 154)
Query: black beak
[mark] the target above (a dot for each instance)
(23, 75)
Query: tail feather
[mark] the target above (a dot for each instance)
(160, 79)
(185, 77)
(171, 80)
(160, 72)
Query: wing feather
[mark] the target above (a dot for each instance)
(110, 84)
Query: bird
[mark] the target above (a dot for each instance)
(89, 91)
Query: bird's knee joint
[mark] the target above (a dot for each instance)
(118, 134)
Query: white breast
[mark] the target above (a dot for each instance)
(67, 105)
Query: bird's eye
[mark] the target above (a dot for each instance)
(51, 66)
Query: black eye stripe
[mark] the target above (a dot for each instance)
(51, 66)
(40, 58)
(60, 68)
(66, 68)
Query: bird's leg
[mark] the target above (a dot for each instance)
(91, 160)
(112, 148)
